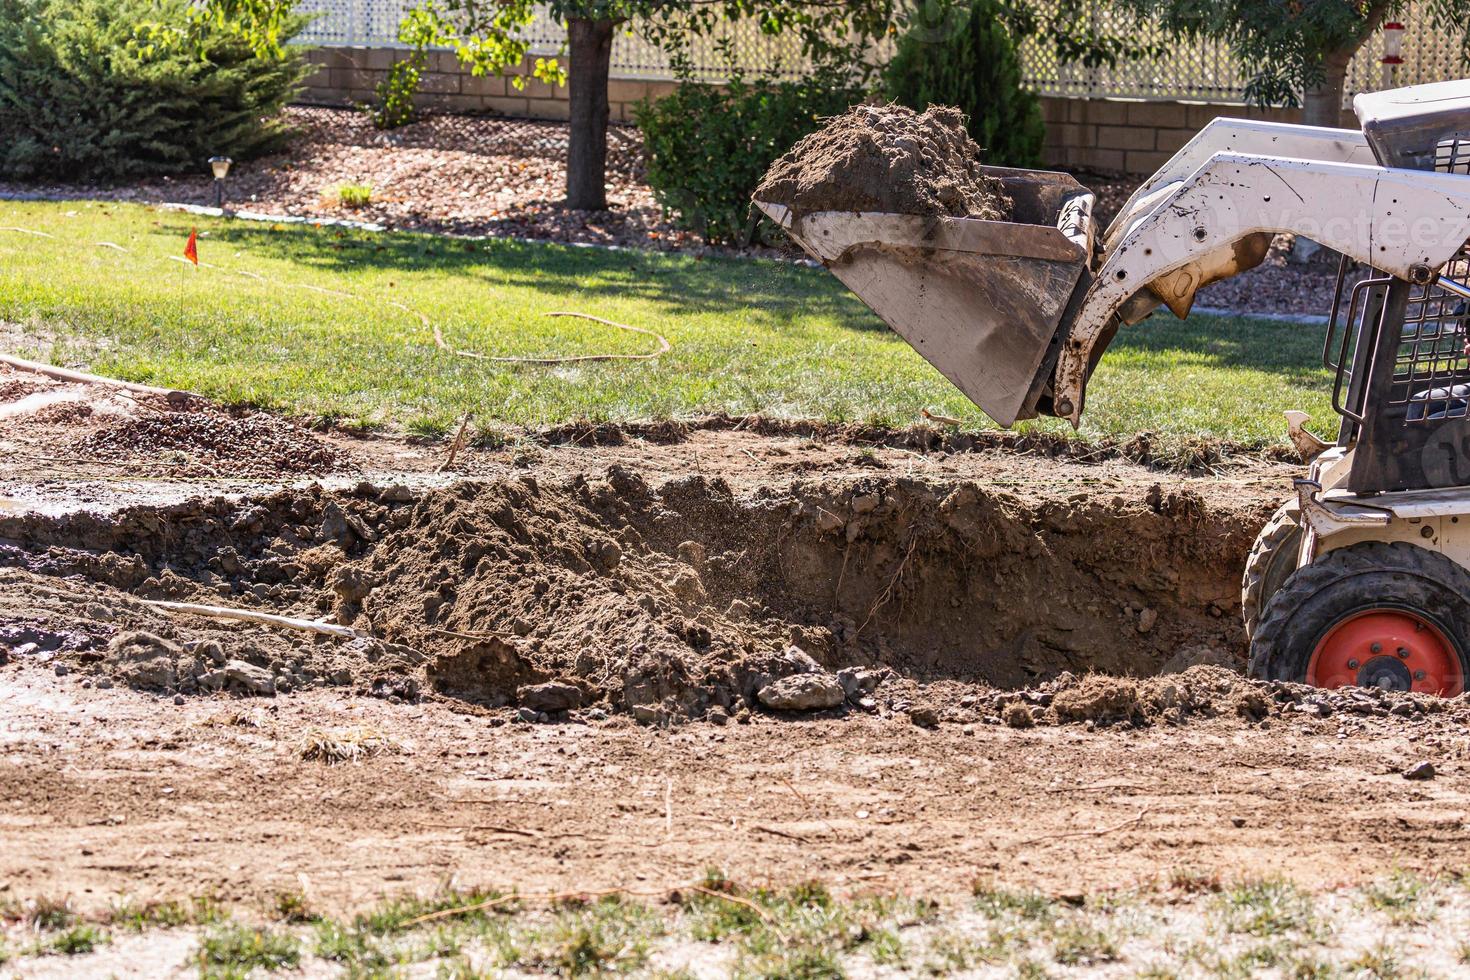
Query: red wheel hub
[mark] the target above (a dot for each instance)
(1390, 648)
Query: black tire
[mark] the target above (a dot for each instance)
(1272, 559)
(1372, 575)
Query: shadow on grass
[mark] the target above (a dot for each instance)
(681, 283)
(684, 284)
(1291, 350)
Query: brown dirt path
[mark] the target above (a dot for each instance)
(115, 792)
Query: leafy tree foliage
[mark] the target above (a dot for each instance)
(1301, 46)
(836, 39)
(961, 54)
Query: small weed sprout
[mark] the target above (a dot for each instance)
(1081, 944)
(233, 950)
(294, 908)
(1265, 908)
(49, 913)
(355, 195)
(1403, 896)
(73, 941)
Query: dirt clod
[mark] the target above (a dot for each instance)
(802, 692)
(888, 159)
(1422, 770)
(551, 696)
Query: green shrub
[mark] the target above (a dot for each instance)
(706, 147)
(959, 53)
(394, 106)
(100, 89)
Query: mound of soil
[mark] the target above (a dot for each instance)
(888, 159)
(670, 602)
(942, 600)
(210, 443)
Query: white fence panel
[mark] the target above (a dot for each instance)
(1193, 70)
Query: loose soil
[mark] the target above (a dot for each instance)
(888, 159)
(620, 658)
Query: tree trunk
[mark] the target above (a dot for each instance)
(589, 47)
(1322, 105)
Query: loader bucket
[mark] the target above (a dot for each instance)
(982, 301)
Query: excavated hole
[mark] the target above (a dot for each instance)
(664, 601)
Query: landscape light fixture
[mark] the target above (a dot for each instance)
(221, 168)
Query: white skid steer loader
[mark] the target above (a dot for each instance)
(1361, 578)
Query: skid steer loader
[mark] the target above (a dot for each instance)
(1361, 577)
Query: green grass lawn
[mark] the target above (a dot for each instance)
(748, 336)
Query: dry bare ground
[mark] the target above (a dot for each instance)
(575, 673)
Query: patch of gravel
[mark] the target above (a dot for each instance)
(199, 443)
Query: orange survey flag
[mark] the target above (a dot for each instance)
(191, 249)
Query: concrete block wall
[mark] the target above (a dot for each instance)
(1118, 135)
(1136, 137)
(348, 76)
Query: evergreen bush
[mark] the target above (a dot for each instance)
(706, 147)
(960, 53)
(112, 89)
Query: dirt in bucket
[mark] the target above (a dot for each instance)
(888, 159)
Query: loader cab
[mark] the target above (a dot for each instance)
(1398, 348)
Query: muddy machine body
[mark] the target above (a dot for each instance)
(1363, 575)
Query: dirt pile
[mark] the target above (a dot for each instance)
(210, 443)
(80, 428)
(1202, 690)
(888, 159)
(672, 601)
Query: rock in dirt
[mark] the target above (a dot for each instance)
(802, 692)
(1423, 770)
(1017, 715)
(1146, 620)
(551, 696)
(888, 159)
(857, 681)
(249, 678)
(924, 716)
(144, 661)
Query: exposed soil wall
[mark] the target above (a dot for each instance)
(666, 601)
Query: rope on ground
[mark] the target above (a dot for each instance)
(251, 616)
(80, 377)
(663, 345)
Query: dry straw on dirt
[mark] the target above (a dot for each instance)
(346, 745)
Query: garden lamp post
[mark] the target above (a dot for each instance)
(221, 168)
